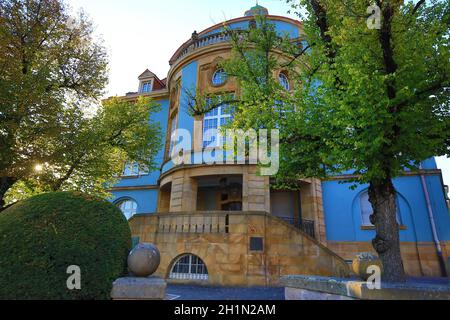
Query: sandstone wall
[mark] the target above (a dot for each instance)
(419, 259)
(223, 243)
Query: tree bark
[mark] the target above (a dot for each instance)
(5, 184)
(58, 184)
(383, 197)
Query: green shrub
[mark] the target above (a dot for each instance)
(42, 236)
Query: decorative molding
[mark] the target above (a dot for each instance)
(370, 228)
(428, 172)
(134, 188)
(154, 95)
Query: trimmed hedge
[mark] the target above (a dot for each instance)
(42, 236)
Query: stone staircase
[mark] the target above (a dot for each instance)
(238, 248)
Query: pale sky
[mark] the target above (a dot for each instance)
(141, 34)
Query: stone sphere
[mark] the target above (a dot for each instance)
(362, 262)
(144, 260)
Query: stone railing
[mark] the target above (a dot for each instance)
(215, 222)
(199, 42)
(208, 222)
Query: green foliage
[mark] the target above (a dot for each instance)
(44, 235)
(199, 103)
(49, 61)
(347, 111)
(367, 102)
(90, 153)
(52, 73)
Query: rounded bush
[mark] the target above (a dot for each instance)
(43, 240)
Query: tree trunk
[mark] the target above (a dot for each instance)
(59, 183)
(5, 184)
(383, 198)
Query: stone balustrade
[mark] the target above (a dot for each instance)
(201, 42)
(194, 223)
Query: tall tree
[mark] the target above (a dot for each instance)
(46, 58)
(90, 152)
(372, 102)
(52, 72)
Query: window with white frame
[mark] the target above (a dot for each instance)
(284, 81)
(128, 208)
(133, 170)
(146, 86)
(212, 124)
(189, 267)
(367, 210)
(280, 108)
(173, 128)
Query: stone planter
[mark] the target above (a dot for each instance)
(362, 262)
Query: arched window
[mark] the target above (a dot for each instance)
(284, 81)
(189, 267)
(367, 211)
(128, 208)
(219, 77)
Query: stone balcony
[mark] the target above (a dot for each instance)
(197, 42)
(228, 189)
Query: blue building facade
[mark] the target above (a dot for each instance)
(423, 216)
(337, 216)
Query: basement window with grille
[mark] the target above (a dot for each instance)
(189, 267)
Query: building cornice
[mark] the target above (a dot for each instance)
(349, 177)
(240, 19)
(134, 188)
(174, 61)
(223, 46)
(236, 20)
(156, 95)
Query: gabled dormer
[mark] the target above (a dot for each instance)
(149, 82)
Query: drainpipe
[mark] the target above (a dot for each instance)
(433, 223)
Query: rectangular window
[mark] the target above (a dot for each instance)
(212, 123)
(173, 128)
(133, 170)
(146, 87)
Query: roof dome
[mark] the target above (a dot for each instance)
(257, 10)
